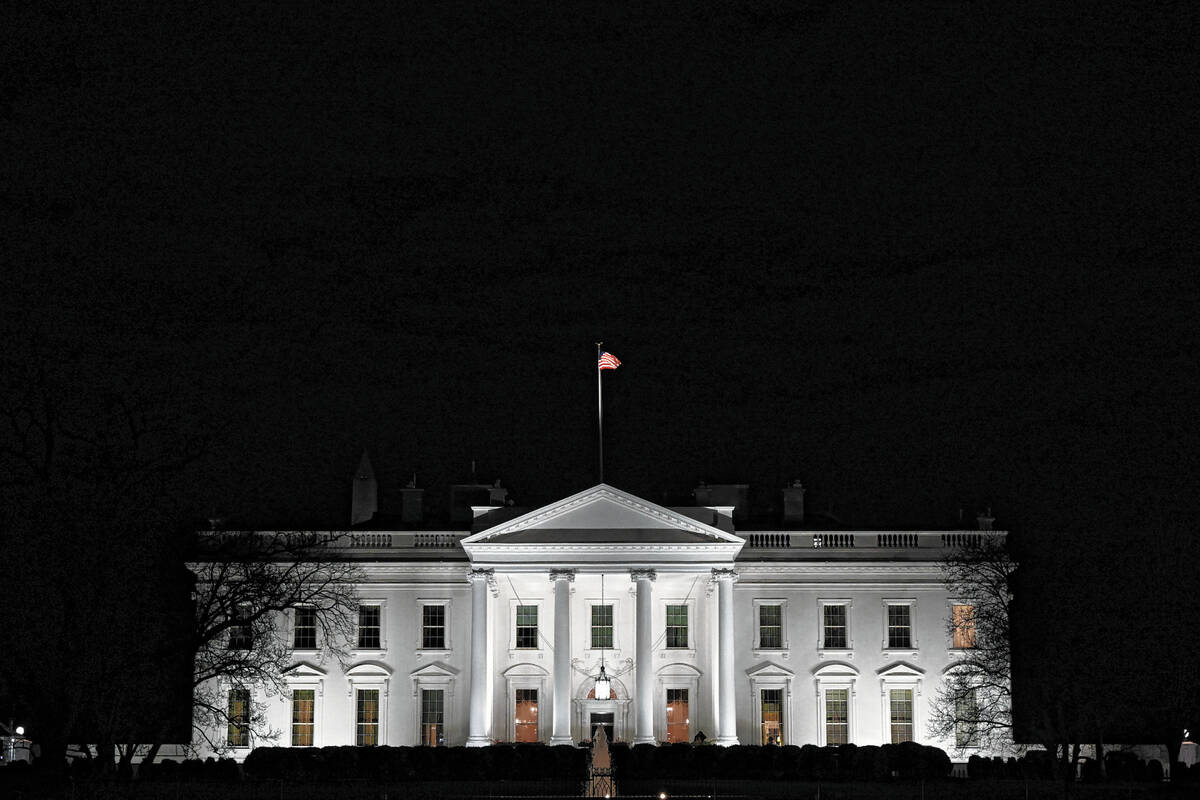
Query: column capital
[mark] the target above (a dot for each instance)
(480, 575)
(562, 575)
(725, 575)
(642, 574)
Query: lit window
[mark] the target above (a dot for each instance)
(527, 627)
(369, 628)
(964, 626)
(901, 714)
(241, 633)
(770, 627)
(303, 702)
(433, 717)
(678, 717)
(305, 630)
(899, 619)
(772, 716)
(433, 627)
(966, 720)
(677, 626)
(602, 627)
(526, 715)
(239, 718)
(366, 718)
(837, 716)
(835, 627)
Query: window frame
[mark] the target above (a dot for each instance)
(293, 723)
(421, 649)
(954, 604)
(690, 647)
(421, 723)
(837, 675)
(773, 676)
(677, 675)
(912, 706)
(900, 676)
(525, 675)
(890, 651)
(434, 675)
(240, 630)
(537, 723)
(245, 726)
(759, 648)
(368, 676)
(305, 676)
(823, 649)
(381, 604)
(973, 736)
(293, 618)
(541, 617)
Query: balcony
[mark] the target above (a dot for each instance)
(777, 545)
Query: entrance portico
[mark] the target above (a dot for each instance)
(604, 577)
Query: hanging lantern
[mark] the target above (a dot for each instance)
(603, 689)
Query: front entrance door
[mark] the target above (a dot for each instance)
(602, 720)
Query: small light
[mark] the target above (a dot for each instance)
(20, 731)
(662, 796)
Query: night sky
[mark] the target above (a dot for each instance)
(920, 258)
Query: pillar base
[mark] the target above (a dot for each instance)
(478, 741)
(555, 740)
(644, 740)
(728, 741)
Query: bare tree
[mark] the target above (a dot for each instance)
(247, 583)
(973, 706)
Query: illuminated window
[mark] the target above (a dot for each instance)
(677, 626)
(602, 627)
(834, 619)
(241, 633)
(966, 720)
(433, 717)
(901, 714)
(369, 628)
(366, 718)
(303, 705)
(964, 626)
(526, 715)
(899, 622)
(527, 626)
(837, 716)
(772, 716)
(239, 718)
(433, 627)
(770, 627)
(678, 717)
(304, 632)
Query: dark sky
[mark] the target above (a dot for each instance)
(917, 257)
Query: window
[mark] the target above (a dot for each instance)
(303, 706)
(770, 627)
(433, 717)
(526, 715)
(677, 626)
(366, 718)
(963, 617)
(772, 716)
(433, 627)
(899, 627)
(369, 628)
(602, 627)
(241, 634)
(834, 623)
(304, 632)
(837, 716)
(901, 714)
(239, 718)
(527, 627)
(678, 718)
(966, 719)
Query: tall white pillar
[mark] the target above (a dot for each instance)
(479, 727)
(643, 729)
(727, 724)
(561, 731)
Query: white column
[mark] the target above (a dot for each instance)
(643, 730)
(727, 724)
(561, 731)
(479, 729)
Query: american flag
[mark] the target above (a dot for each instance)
(608, 361)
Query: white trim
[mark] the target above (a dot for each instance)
(912, 651)
(835, 652)
(900, 676)
(836, 675)
(369, 675)
(418, 647)
(515, 652)
(676, 652)
(371, 652)
(675, 676)
(526, 676)
(433, 676)
(767, 652)
(771, 676)
(590, 652)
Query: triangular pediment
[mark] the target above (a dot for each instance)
(602, 515)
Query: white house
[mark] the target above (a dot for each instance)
(498, 631)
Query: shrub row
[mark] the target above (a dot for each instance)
(790, 763)
(404, 764)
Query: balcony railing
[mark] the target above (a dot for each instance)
(863, 540)
(401, 540)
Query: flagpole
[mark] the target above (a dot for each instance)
(600, 412)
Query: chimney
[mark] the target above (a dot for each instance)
(412, 502)
(498, 494)
(364, 493)
(793, 502)
(736, 495)
(985, 520)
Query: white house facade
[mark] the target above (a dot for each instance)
(660, 624)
